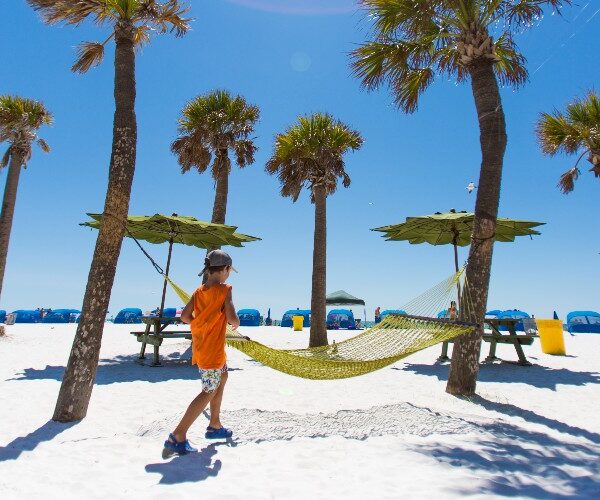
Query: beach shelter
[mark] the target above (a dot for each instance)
(2, 316)
(516, 314)
(341, 318)
(249, 317)
(61, 316)
(583, 322)
(391, 311)
(286, 319)
(342, 298)
(175, 228)
(128, 315)
(494, 312)
(27, 316)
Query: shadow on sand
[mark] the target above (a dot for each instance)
(46, 432)
(190, 468)
(512, 461)
(175, 366)
(535, 375)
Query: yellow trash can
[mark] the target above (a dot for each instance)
(298, 323)
(551, 336)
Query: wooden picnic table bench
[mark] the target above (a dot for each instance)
(155, 333)
(497, 337)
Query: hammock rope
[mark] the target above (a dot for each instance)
(397, 336)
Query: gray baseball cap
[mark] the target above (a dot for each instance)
(217, 258)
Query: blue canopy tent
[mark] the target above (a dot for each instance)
(513, 313)
(2, 316)
(341, 318)
(583, 322)
(494, 312)
(128, 315)
(27, 316)
(61, 316)
(392, 311)
(287, 320)
(249, 317)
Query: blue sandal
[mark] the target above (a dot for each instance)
(174, 447)
(222, 433)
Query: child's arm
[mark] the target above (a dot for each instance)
(230, 314)
(188, 311)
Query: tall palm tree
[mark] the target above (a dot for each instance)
(211, 126)
(470, 40)
(130, 24)
(310, 153)
(20, 119)
(577, 129)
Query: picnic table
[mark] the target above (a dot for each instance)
(497, 337)
(156, 332)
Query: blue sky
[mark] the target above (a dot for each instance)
(290, 58)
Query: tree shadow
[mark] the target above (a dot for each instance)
(535, 375)
(119, 369)
(512, 461)
(190, 468)
(46, 432)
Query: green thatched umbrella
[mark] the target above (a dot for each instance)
(175, 228)
(453, 228)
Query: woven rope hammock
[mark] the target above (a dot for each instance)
(396, 337)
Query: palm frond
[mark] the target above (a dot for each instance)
(555, 133)
(43, 145)
(567, 180)
(88, 54)
(5, 158)
(510, 64)
(72, 12)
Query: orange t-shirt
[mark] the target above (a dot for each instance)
(209, 326)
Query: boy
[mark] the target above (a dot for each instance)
(208, 313)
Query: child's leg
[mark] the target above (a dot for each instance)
(194, 410)
(215, 404)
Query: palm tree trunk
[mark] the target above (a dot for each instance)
(465, 356)
(221, 191)
(318, 327)
(8, 207)
(76, 388)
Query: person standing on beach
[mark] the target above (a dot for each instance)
(378, 314)
(452, 311)
(208, 313)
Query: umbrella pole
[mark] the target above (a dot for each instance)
(454, 242)
(164, 292)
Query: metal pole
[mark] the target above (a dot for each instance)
(455, 244)
(164, 292)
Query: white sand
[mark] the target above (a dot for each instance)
(533, 432)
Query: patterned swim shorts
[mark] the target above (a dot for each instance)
(211, 379)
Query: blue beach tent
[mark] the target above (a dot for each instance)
(2, 316)
(341, 318)
(513, 313)
(583, 322)
(27, 316)
(128, 315)
(494, 312)
(287, 320)
(249, 317)
(392, 311)
(60, 316)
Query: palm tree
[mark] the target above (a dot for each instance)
(470, 40)
(578, 129)
(20, 119)
(211, 126)
(310, 153)
(130, 24)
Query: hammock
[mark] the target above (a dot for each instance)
(396, 337)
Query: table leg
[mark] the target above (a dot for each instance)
(143, 349)
(492, 355)
(444, 355)
(156, 357)
(157, 333)
(518, 347)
